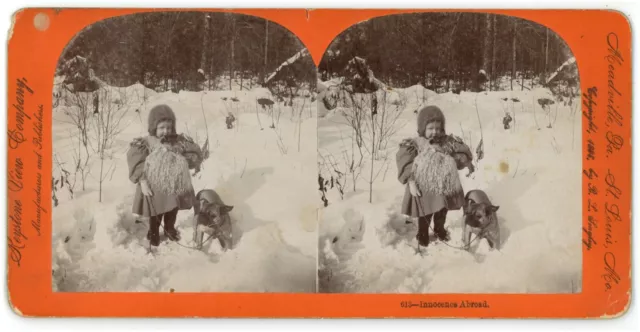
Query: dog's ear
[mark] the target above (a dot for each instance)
(494, 208)
(226, 208)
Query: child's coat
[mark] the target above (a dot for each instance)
(166, 172)
(165, 166)
(434, 168)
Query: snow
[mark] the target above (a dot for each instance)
(267, 174)
(270, 174)
(532, 172)
(418, 94)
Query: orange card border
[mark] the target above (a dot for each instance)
(33, 55)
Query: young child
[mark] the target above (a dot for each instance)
(428, 165)
(159, 164)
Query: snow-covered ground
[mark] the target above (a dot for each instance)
(270, 176)
(267, 174)
(532, 172)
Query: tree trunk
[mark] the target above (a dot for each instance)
(558, 52)
(373, 152)
(546, 55)
(513, 61)
(205, 42)
(423, 56)
(173, 79)
(449, 70)
(276, 58)
(143, 61)
(212, 68)
(232, 21)
(523, 68)
(204, 56)
(100, 189)
(450, 51)
(493, 56)
(266, 48)
(476, 55)
(487, 42)
(455, 70)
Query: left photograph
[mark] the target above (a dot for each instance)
(184, 157)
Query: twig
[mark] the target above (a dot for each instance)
(384, 176)
(300, 121)
(113, 171)
(479, 122)
(535, 118)
(334, 167)
(555, 146)
(243, 168)
(385, 164)
(281, 145)
(573, 132)
(257, 116)
(464, 135)
(204, 117)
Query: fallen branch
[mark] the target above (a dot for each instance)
(302, 53)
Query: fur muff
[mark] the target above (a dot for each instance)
(434, 171)
(167, 171)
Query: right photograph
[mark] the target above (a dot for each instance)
(449, 157)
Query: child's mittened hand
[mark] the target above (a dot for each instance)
(413, 189)
(144, 187)
(471, 169)
(439, 148)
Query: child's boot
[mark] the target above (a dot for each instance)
(153, 235)
(439, 219)
(423, 230)
(170, 225)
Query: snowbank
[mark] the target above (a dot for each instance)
(532, 172)
(266, 173)
(418, 93)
